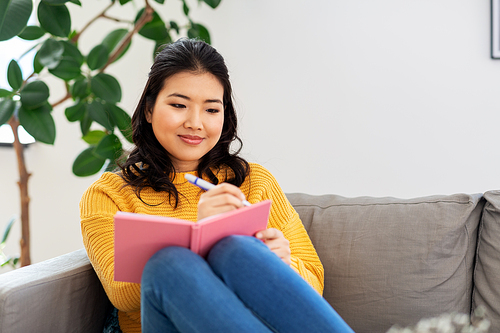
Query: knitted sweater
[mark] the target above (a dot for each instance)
(107, 195)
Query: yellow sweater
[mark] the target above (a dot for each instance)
(107, 195)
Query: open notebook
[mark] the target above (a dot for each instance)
(139, 236)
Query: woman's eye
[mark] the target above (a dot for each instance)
(178, 106)
(212, 110)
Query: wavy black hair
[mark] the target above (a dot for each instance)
(148, 165)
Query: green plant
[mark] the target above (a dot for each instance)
(6, 260)
(95, 94)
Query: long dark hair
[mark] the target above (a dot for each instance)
(148, 165)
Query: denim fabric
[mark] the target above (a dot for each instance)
(241, 287)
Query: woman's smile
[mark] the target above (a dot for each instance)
(191, 139)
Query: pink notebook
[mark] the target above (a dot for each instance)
(139, 236)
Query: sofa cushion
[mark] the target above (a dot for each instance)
(487, 271)
(393, 261)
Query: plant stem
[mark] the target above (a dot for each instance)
(146, 16)
(114, 19)
(25, 199)
(102, 14)
(68, 95)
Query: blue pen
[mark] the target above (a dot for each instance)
(204, 185)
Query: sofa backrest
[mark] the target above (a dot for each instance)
(393, 261)
(487, 270)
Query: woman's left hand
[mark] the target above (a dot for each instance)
(276, 242)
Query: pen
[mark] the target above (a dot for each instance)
(204, 185)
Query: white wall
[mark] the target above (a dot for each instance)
(360, 97)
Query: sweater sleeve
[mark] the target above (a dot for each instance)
(97, 210)
(283, 217)
(304, 257)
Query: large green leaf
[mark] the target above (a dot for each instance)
(54, 19)
(86, 122)
(76, 112)
(5, 93)
(199, 31)
(32, 32)
(98, 113)
(98, 57)
(109, 147)
(7, 108)
(106, 87)
(72, 51)
(80, 88)
(154, 29)
(37, 66)
(112, 40)
(67, 69)
(212, 3)
(87, 163)
(39, 123)
(93, 137)
(34, 94)
(14, 15)
(122, 121)
(50, 54)
(122, 2)
(14, 75)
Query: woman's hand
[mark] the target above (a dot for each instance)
(278, 244)
(222, 198)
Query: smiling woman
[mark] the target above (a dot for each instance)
(187, 117)
(184, 124)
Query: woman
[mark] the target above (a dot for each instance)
(185, 122)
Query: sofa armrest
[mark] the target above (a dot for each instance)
(62, 294)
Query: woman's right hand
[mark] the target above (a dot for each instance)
(222, 198)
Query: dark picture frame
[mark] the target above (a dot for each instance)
(495, 29)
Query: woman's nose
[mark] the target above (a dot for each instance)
(193, 120)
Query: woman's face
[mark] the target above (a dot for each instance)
(187, 117)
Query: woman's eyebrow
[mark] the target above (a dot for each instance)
(214, 101)
(179, 95)
(188, 98)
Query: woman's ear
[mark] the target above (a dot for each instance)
(149, 115)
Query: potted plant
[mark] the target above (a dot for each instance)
(95, 94)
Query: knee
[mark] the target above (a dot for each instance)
(235, 248)
(236, 243)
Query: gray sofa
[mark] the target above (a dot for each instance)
(387, 261)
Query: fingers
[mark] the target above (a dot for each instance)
(222, 198)
(269, 234)
(276, 242)
(226, 188)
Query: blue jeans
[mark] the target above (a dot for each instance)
(241, 287)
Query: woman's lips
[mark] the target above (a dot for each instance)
(191, 139)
